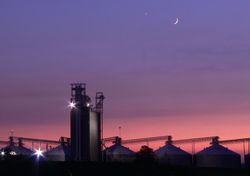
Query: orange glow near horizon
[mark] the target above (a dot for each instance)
(224, 127)
(148, 127)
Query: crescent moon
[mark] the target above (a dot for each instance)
(177, 21)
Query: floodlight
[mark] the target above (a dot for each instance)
(12, 153)
(72, 105)
(38, 153)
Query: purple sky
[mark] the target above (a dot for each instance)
(148, 68)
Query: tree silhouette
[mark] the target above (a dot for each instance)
(145, 155)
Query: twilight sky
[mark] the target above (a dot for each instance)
(187, 80)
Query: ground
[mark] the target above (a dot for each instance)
(44, 168)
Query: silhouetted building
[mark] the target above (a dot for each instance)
(119, 153)
(85, 125)
(12, 150)
(60, 153)
(217, 156)
(172, 155)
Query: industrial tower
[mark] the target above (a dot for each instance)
(86, 124)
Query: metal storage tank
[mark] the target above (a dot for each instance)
(217, 156)
(60, 153)
(16, 150)
(247, 160)
(119, 153)
(172, 155)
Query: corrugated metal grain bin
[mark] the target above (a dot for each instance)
(119, 153)
(16, 150)
(217, 156)
(60, 153)
(172, 155)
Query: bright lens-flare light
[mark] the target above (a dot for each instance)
(72, 105)
(2, 153)
(38, 153)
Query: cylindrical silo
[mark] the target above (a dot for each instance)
(172, 155)
(119, 153)
(217, 156)
(12, 150)
(60, 153)
(85, 125)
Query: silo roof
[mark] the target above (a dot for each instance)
(19, 150)
(59, 149)
(216, 149)
(170, 149)
(119, 149)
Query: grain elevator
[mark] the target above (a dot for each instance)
(86, 124)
